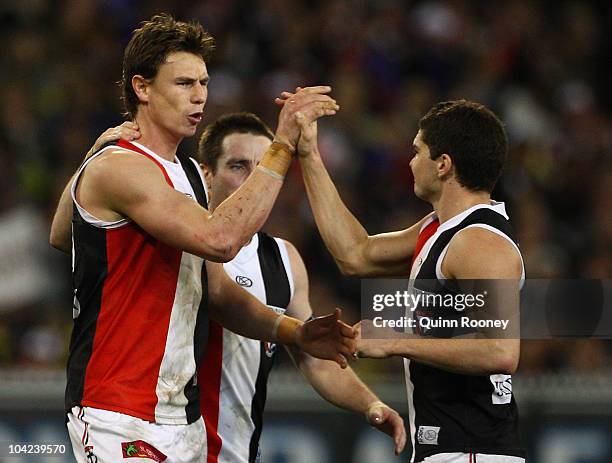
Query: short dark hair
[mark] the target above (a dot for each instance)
(473, 136)
(210, 144)
(151, 44)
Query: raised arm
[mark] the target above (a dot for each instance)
(243, 213)
(342, 388)
(474, 254)
(356, 252)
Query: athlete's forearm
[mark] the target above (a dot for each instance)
(240, 312)
(61, 228)
(342, 233)
(340, 387)
(465, 356)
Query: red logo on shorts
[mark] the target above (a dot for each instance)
(140, 449)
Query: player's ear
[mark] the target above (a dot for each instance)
(140, 85)
(208, 175)
(445, 165)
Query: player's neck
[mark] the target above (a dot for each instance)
(456, 199)
(158, 140)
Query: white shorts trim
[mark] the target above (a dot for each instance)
(99, 436)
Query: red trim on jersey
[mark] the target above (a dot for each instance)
(423, 237)
(132, 324)
(130, 146)
(209, 379)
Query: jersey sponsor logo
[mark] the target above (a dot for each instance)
(428, 435)
(141, 449)
(502, 389)
(269, 348)
(244, 281)
(91, 457)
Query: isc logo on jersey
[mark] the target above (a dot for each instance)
(428, 435)
(244, 281)
(502, 389)
(270, 347)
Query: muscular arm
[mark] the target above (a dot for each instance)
(236, 309)
(341, 387)
(474, 254)
(125, 184)
(356, 253)
(465, 356)
(239, 311)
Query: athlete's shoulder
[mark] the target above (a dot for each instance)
(117, 164)
(479, 252)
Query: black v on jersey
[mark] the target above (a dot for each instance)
(451, 412)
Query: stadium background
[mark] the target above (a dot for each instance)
(545, 67)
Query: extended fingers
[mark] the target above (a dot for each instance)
(126, 131)
(399, 431)
(387, 420)
(314, 89)
(130, 125)
(129, 131)
(300, 102)
(301, 93)
(400, 443)
(313, 111)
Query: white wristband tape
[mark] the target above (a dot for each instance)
(277, 323)
(271, 173)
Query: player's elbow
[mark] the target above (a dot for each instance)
(222, 248)
(347, 268)
(505, 360)
(509, 364)
(354, 261)
(220, 253)
(351, 267)
(58, 241)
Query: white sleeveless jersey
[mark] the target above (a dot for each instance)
(235, 369)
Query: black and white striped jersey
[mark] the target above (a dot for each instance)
(235, 369)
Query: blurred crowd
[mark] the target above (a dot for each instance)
(543, 66)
